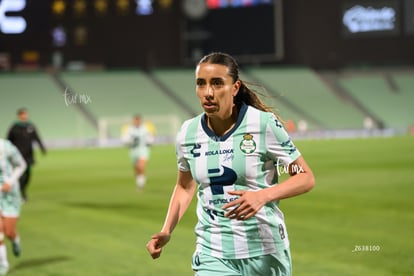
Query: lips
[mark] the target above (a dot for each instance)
(208, 106)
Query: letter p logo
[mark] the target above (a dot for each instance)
(12, 24)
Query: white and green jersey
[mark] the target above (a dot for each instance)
(136, 137)
(246, 158)
(138, 140)
(12, 166)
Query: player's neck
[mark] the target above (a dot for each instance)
(221, 126)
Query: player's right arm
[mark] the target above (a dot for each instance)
(180, 200)
(18, 163)
(127, 137)
(10, 134)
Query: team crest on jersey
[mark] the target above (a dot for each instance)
(248, 145)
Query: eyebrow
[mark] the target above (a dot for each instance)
(216, 79)
(212, 79)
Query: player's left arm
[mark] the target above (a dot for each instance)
(149, 139)
(36, 137)
(301, 178)
(281, 146)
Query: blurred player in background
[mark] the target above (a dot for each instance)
(139, 139)
(12, 166)
(23, 134)
(230, 154)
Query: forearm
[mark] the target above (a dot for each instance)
(39, 142)
(41, 145)
(301, 180)
(180, 200)
(295, 185)
(17, 172)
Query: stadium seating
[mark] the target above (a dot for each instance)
(54, 117)
(305, 91)
(393, 105)
(296, 93)
(121, 94)
(182, 83)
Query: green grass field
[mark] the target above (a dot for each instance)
(84, 216)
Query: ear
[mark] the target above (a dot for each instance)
(236, 87)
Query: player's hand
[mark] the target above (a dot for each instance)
(6, 187)
(246, 206)
(157, 242)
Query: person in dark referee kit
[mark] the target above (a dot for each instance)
(23, 134)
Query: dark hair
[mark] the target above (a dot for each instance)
(245, 94)
(21, 110)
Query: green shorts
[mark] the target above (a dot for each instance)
(276, 264)
(10, 203)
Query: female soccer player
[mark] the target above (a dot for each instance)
(138, 138)
(230, 155)
(12, 166)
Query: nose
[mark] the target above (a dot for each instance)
(209, 91)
